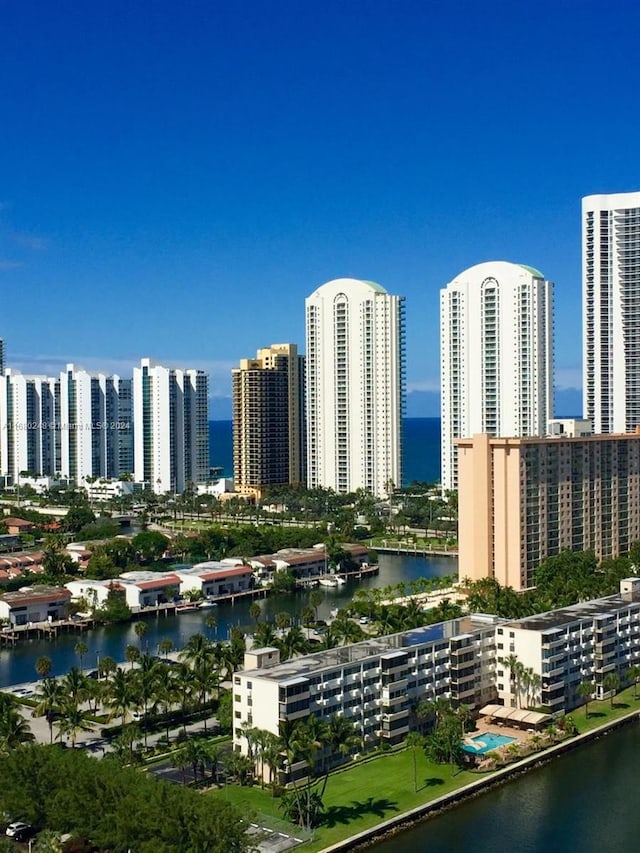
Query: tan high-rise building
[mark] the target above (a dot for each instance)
(522, 500)
(268, 420)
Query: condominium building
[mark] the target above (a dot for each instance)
(354, 387)
(375, 683)
(268, 420)
(171, 429)
(611, 311)
(95, 425)
(521, 500)
(496, 336)
(1, 357)
(30, 440)
(566, 647)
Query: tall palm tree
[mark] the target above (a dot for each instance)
(74, 684)
(415, 741)
(48, 697)
(633, 674)
(341, 737)
(264, 634)
(165, 646)
(167, 692)
(293, 643)
(585, 690)
(121, 694)
(43, 666)
(141, 629)
(81, 649)
(72, 722)
(132, 653)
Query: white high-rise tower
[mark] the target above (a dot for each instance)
(171, 428)
(355, 386)
(611, 311)
(496, 336)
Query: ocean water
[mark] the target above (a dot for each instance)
(421, 448)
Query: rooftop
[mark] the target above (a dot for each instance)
(374, 647)
(555, 619)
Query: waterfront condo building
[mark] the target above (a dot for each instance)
(1, 357)
(570, 646)
(375, 683)
(268, 420)
(611, 311)
(171, 429)
(496, 336)
(30, 440)
(96, 429)
(521, 500)
(354, 386)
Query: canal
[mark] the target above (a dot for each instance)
(17, 664)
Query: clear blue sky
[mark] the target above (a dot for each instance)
(177, 177)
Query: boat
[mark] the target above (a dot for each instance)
(205, 604)
(340, 581)
(330, 582)
(186, 607)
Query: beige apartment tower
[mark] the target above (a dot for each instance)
(268, 420)
(522, 500)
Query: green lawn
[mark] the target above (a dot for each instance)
(363, 795)
(602, 712)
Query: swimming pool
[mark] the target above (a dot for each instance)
(487, 742)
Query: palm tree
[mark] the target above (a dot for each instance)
(132, 653)
(341, 736)
(74, 685)
(106, 666)
(141, 629)
(315, 600)
(293, 643)
(254, 611)
(415, 741)
(145, 682)
(49, 697)
(121, 695)
(585, 690)
(165, 646)
(81, 650)
(516, 669)
(611, 684)
(633, 674)
(264, 634)
(211, 622)
(14, 729)
(43, 666)
(167, 692)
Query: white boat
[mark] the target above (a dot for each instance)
(331, 582)
(204, 604)
(340, 581)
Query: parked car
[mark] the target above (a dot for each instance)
(19, 831)
(364, 620)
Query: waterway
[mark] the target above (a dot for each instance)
(584, 802)
(17, 664)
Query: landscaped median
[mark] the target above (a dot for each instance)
(377, 795)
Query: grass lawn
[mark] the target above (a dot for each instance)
(363, 795)
(601, 712)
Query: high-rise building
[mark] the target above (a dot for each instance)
(496, 337)
(268, 420)
(522, 500)
(30, 439)
(1, 357)
(611, 311)
(171, 427)
(95, 425)
(354, 387)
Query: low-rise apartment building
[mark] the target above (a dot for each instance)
(566, 647)
(31, 605)
(375, 683)
(522, 500)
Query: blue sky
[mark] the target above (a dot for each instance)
(176, 178)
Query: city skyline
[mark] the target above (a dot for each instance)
(246, 156)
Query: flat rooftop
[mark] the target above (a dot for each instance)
(564, 616)
(310, 664)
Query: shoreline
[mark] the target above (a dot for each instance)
(420, 814)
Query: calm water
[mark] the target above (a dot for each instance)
(18, 665)
(421, 448)
(584, 802)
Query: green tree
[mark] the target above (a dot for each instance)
(149, 545)
(121, 695)
(140, 629)
(48, 699)
(132, 653)
(415, 742)
(43, 666)
(81, 650)
(611, 685)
